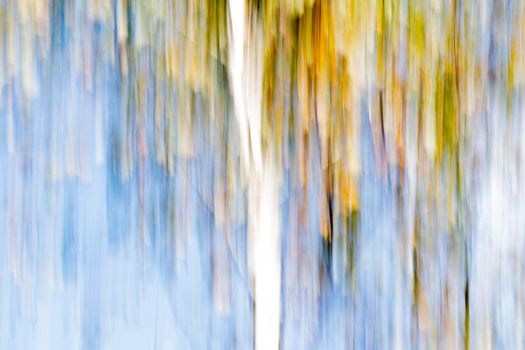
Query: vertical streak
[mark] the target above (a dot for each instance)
(264, 235)
(267, 261)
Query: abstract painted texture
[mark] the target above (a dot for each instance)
(237, 174)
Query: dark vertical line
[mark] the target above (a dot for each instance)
(467, 305)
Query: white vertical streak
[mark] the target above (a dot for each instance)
(267, 272)
(264, 233)
(235, 67)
